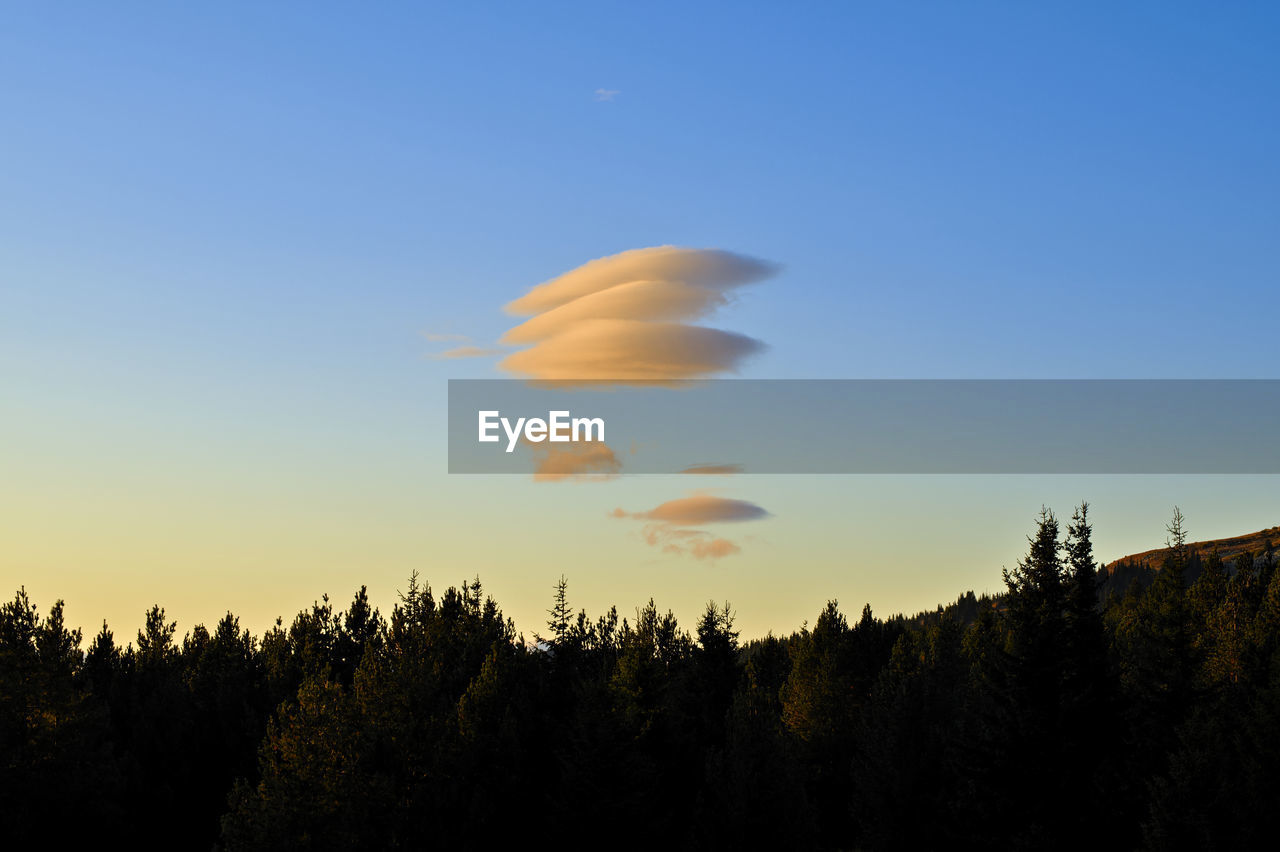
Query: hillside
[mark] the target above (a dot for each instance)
(1119, 574)
(1258, 543)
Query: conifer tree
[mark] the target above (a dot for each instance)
(1089, 686)
(1156, 655)
(1037, 610)
(560, 615)
(1086, 636)
(1029, 690)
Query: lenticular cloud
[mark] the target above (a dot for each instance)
(625, 318)
(672, 525)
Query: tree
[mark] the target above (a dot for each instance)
(54, 747)
(1158, 660)
(313, 793)
(155, 639)
(1087, 680)
(1091, 745)
(361, 626)
(715, 671)
(1037, 595)
(820, 706)
(560, 616)
(755, 793)
(908, 787)
(1025, 725)
(1037, 620)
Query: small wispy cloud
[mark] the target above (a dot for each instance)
(581, 462)
(606, 95)
(465, 352)
(713, 469)
(436, 337)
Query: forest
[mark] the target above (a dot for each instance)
(1063, 711)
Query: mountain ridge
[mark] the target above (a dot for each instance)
(1258, 543)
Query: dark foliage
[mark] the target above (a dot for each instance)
(1039, 718)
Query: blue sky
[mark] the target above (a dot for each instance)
(226, 228)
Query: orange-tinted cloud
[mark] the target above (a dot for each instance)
(673, 525)
(712, 548)
(711, 268)
(700, 509)
(630, 350)
(586, 461)
(465, 352)
(713, 469)
(623, 318)
(634, 300)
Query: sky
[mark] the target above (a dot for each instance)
(235, 238)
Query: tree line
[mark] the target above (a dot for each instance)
(1052, 715)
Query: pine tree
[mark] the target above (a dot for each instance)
(1266, 630)
(1086, 635)
(1031, 688)
(155, 639)
(1208, 590)
(716, 670)
(1037, 581)
(101, 662)
(1169, 615)
(1175, 566)
(1154, 639)
(1089, 686)
(360, 627)
(1037, 608)
(560, 616)
(1229, 625)
(819, 708)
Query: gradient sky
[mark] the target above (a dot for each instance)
(226, 229)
